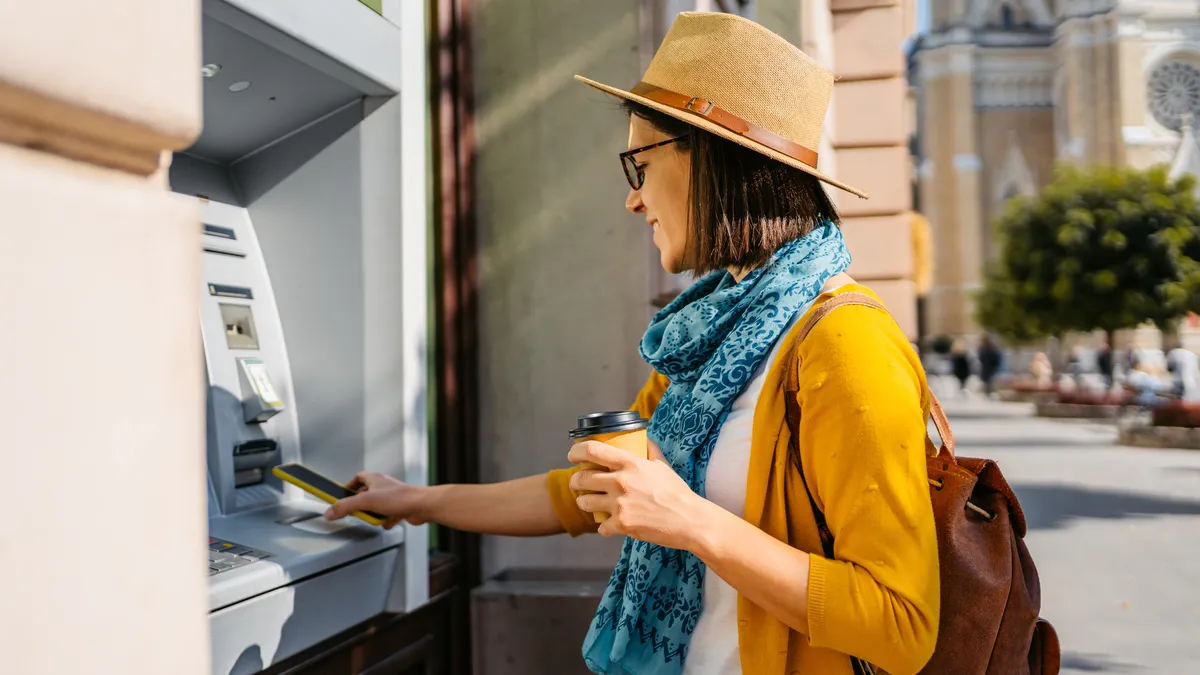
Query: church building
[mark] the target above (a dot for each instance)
(1004, 89)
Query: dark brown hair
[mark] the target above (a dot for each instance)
(742, 204)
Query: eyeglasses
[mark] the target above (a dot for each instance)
(634, 173)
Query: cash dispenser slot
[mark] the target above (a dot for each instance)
(249, 477)
(252, 458)
(255, 447)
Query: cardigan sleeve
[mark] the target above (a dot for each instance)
(574, 520)
(862, 439)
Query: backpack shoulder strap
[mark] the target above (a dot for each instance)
(791, 381)
(792, 388)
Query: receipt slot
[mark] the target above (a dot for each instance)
(259, 400)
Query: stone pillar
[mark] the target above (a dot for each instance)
(102, 405)
(1130, 91)
(1105, 86)
(871, 148)
(952, 185)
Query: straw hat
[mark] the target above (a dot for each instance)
(738, 80)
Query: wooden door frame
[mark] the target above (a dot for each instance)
(456, 257)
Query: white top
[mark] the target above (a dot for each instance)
(714, 646)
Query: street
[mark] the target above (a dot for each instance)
(1114, 531)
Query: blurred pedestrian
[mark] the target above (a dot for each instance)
(1148, 383)
(990, 358)
(1041, 370)
(1104, 363)
(960, 361)
(1185, 366)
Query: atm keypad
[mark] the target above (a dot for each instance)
(224, 556)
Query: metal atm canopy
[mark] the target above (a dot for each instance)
(276, 70)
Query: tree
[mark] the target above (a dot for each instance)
(999, 309)
(1103, 248)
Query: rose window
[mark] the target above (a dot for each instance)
(1173, 91)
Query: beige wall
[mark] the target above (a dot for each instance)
(564, 288)
(872, 148)
(952, 186)
(783, 17)
(102, 405)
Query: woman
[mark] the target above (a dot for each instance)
(990, 360)
(722, 568)
(960, 360)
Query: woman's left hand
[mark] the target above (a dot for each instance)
(645, 498)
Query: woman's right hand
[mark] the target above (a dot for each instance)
(382, 494)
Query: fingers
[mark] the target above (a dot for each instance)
(600, 453)
(609, 528)
(655, 453)
(364, 480)
(344, 507)
(590, 480)
(596, 503)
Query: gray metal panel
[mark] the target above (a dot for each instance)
(310, 229)
(295, 553)
(271, 627)
(285, 94)
(384, 294)
(259, 173)
(532, 622)
(196, 176)
(340, 38)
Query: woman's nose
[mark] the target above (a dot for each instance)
(633, 202)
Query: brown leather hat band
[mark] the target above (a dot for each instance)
(709, 111)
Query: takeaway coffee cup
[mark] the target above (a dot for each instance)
(625, 430)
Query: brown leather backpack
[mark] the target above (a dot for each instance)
(990, 595)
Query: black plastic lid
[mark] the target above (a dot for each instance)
(608, 423)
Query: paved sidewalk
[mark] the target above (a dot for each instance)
(1115, 533)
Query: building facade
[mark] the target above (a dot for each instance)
(1007, 88)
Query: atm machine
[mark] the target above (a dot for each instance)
(312, 319)
(281, 577)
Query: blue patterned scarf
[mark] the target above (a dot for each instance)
(708, 342)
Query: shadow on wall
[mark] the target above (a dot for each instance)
(557, 133)
(1049, 507)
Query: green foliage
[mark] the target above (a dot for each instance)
(1103, 248)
